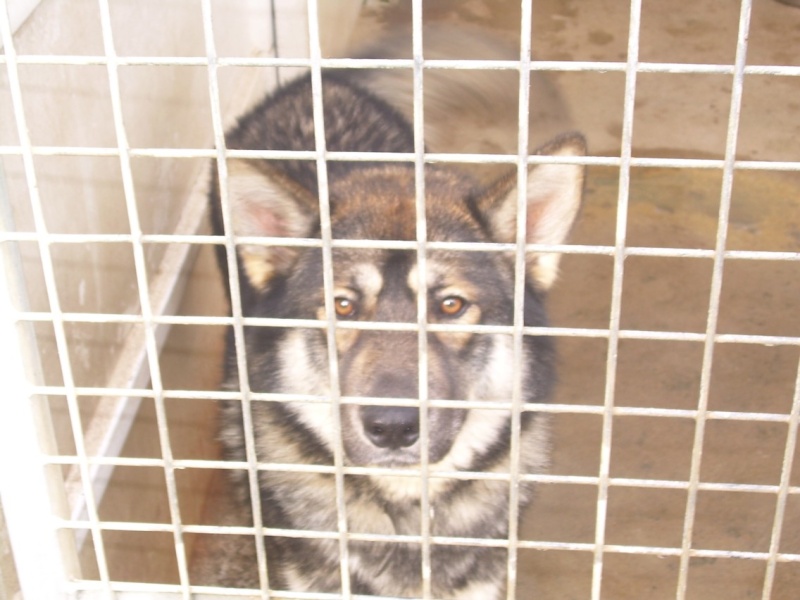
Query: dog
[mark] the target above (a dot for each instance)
(378, 370)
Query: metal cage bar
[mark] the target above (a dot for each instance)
(517, 398)
(716, 291)
(783, 491)
(236, 303)
(143, 287)
(330, 311)
(616, 294)
(422, 295)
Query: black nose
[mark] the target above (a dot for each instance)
(391, 426)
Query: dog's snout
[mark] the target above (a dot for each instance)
(391, 427)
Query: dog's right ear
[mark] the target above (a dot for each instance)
(266, 203)
(554, 192)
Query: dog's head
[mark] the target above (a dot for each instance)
(379, 368)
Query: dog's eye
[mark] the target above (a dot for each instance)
(345, 307)
(452, 306)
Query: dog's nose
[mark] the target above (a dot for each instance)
(391, 427)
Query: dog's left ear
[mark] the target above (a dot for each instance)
(265, 202)
(554, 193)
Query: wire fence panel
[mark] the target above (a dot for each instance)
(99, 272)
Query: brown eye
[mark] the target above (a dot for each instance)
(345, 307)
(452, 306)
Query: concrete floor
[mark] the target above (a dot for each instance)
(675, 116)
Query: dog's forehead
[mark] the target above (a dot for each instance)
(381, 204)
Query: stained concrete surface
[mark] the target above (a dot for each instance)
(672, 294)
(675, 116)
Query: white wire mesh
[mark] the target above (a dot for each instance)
(422, 296)
(150, 320)
(236, 307)
(716, 288)
(330, 314)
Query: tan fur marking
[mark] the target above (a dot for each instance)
(471, 316)
(259, 271)
(481, 591)
(345, 338)
(436, 277)
(370, 280)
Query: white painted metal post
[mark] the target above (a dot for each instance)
(28, 488)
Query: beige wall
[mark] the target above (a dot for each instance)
(163, 106)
